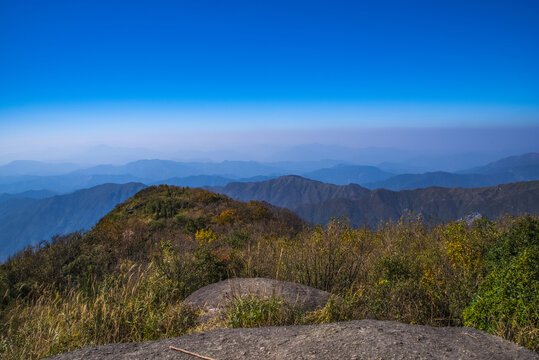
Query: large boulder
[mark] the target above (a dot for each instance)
(221, 294)
(364, 339)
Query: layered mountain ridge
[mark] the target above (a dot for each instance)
(34, 215)
(22, 176)
(290, 190)
(318, 202)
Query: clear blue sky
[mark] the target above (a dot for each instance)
(222, 64)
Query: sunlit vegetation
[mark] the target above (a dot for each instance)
(126, 278)
(248, 312)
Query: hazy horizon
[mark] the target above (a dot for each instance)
(106, 82)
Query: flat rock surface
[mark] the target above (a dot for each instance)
(220, 294)
(364, 339)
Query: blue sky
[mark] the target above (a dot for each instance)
(100, 72)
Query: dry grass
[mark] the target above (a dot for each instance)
(135, 306)
(404, 271)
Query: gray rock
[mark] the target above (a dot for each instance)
(219, 295)
(363, 339)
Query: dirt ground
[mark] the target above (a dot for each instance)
(363, 339)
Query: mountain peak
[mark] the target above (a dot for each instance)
(290, 191)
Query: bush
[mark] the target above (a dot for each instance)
(351, 306)
(523, 234)
(330, 258)
(228, 216)
(237, 240)
(507, 301)
(192, 226)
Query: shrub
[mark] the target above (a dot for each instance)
(507, 301)
(254, 312)
(228, 216)
(350, 307)
(330, 258)
(523, 234)
(237, 240)
(259, 211)
(192, 226)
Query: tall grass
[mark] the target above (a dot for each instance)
(450, 274)
(246, 312)
(134, 306)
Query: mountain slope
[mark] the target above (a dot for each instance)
(62, 184)
(435, 204)
(30, 194)
(290, 191)
(521, 167)
(28, 221)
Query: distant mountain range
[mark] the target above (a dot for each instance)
(512, 169)
(31, 209)
(61, 184)
(163, 169)
(30, 194)
(343, 174)
(317, 202)
(22, 176)
(144, 171)
(29, 167)
(207, 180)
(521, 167)
(27, 221)
(441, 179)
(435, 204)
